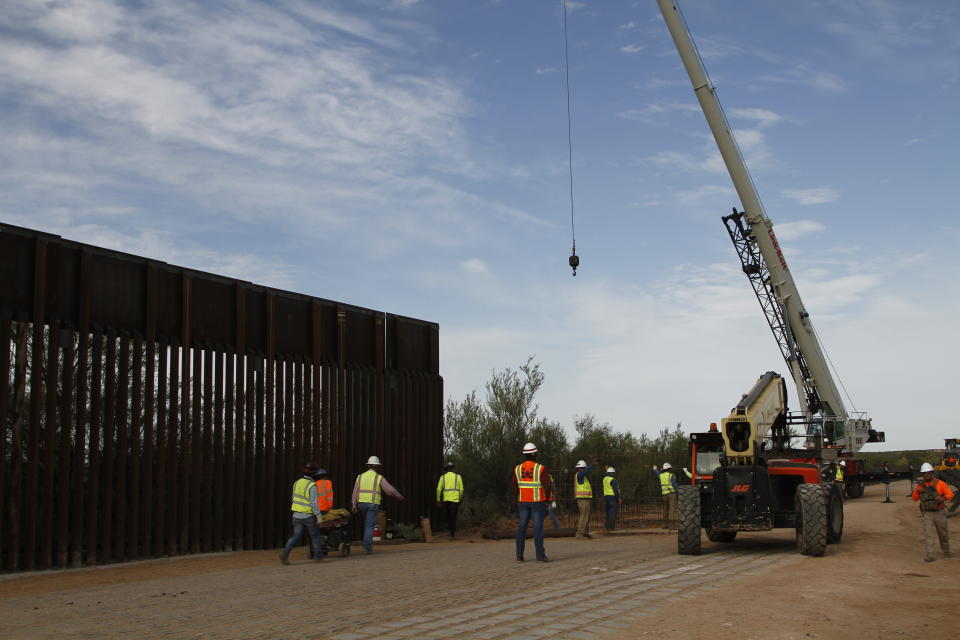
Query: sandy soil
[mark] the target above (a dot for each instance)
(872, 585)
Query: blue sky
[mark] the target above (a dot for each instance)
(412, 157)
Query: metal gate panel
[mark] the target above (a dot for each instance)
(150, 410)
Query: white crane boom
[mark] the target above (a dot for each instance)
(801, 349)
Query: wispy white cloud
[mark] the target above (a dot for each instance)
(475, 266)
(753, 146)
(787, 231)
(752, 143)
(297, 111)
(802, 74)
(714, 48)
(704, 194)
(674, 160)
(763, 117)
(880, 28)
(631, 48)
(649, 112)
(817, 195)
(627, 25)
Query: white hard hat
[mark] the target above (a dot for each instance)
(926, 467)
(843, 463)
(666, 465)
(529, 448)
(373, 460)
(611, 470)
(581, 464)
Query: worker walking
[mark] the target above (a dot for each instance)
(532, 485)
(367, 497)
(306, 515)
(324, 498)
(932, 494)
(668, 490)
(611, 496)
(583, 493)
(449, 495)
(324, 491)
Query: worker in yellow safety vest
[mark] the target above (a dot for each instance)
(838, 476)
(611, 496)
(367, 497)
(306, 515)
(668, 490)
(533, 486)
(449, 495)
(583, 494)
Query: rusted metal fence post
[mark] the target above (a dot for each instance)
(148, 410)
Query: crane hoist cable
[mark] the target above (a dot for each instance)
(574, 261)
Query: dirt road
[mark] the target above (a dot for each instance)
(873, 585)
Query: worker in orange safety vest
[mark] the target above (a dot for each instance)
(932, 494)
(324, 499)
(533, 487)
(324, 491)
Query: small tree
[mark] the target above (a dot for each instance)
(484, 439)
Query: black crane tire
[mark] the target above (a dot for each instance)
(812, 519)
(688, 517)
(855, 490)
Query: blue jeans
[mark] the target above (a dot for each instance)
(310, 525)
(537, 511)
(368, 514)
(613, 505)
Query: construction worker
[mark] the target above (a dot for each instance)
(932, 494)
(306, 515)
(583, 493)
(533, 485)
(668, 491)
(367, 497)
(449, 495)
(611, 496)
(324, 497)
(841, 467)
(324, 491)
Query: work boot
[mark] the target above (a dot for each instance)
(283, 558)
(929, 559)
(519, 558)
(587, 536)
(544, 559)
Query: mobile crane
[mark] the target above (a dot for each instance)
(748, 477)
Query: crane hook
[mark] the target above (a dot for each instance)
(574, 262)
